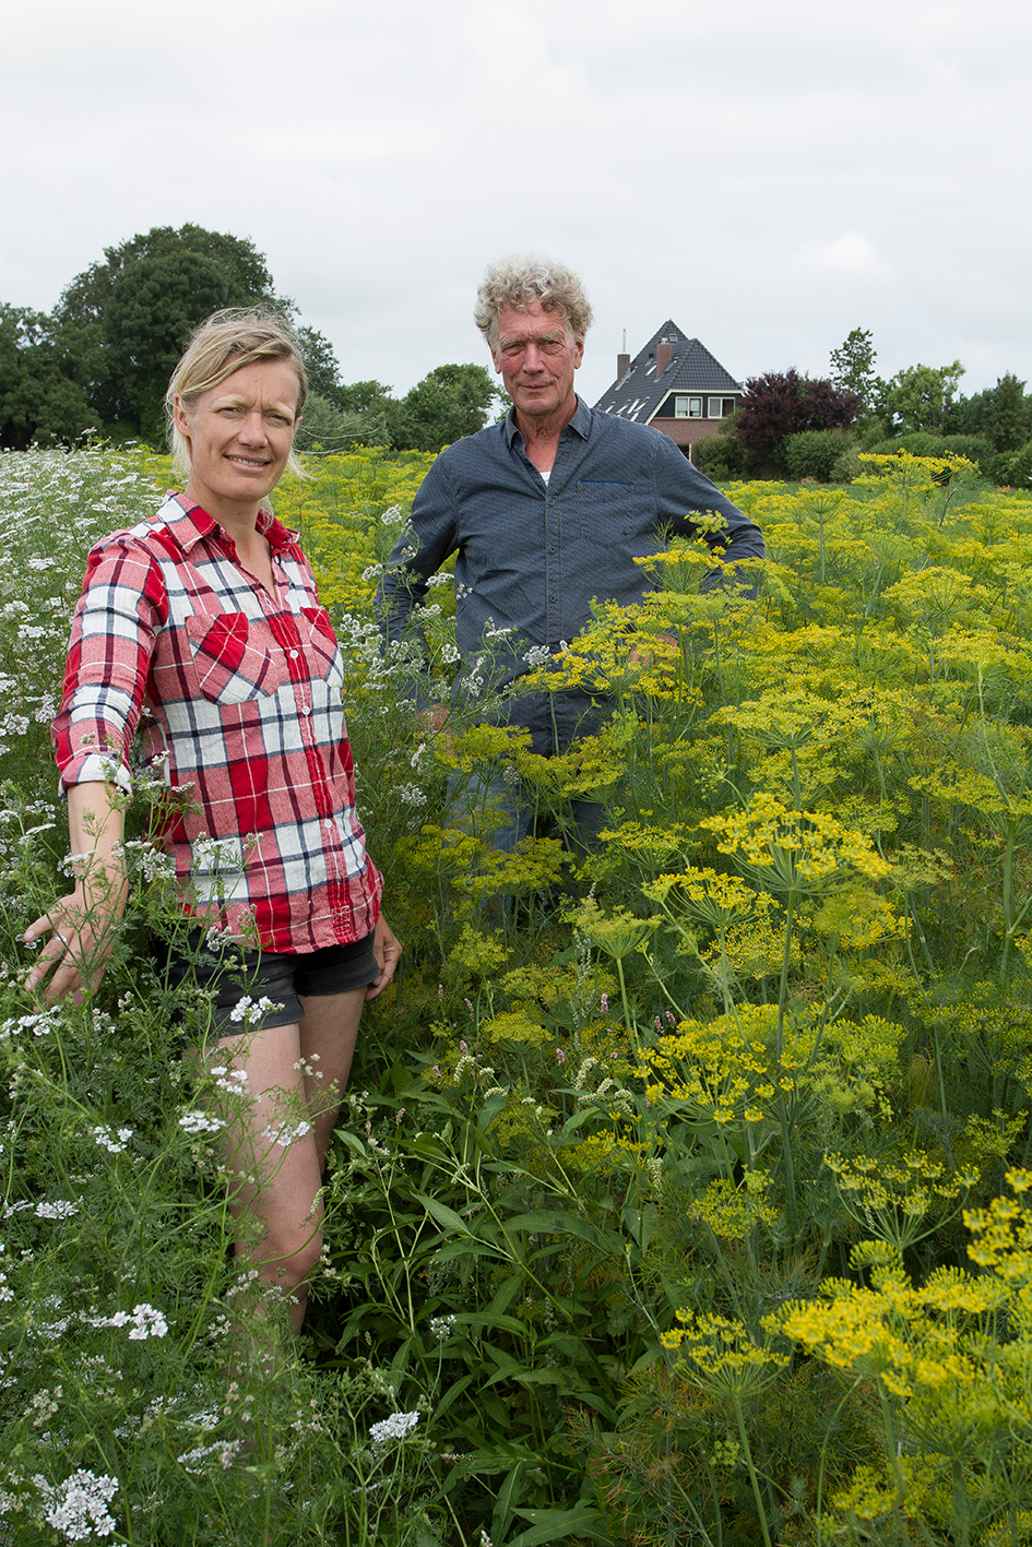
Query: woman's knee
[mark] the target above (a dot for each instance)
(290, 1259)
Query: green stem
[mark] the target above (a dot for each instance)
(754, 1480)
(632, 1026)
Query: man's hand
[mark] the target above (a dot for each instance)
(643, 657)
(76, 954)
(387, 949)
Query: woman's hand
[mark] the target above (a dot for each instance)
(81, 932)
(387, 949)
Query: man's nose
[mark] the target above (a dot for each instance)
(533, 359)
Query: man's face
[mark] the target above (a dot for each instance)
(536, 355)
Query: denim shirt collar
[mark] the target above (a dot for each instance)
(580, 423)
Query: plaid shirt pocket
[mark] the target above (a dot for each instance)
(324, 655)
(235, 659)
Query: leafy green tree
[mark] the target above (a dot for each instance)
(852, 366)
(1002, 413)
(919, 397)
(325, 427)
(124, 321)
(321, 362)
(38, 399)
(371, 408)
(450, 401)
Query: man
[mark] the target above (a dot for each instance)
(548, 509)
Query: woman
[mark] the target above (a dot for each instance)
(202, 627)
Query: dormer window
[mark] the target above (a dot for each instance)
(687, 407)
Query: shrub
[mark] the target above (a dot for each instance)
(782, 403)
(925, 443)
(1015, 468)
(721, 456)
(816, 453)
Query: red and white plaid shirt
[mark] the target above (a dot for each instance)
(237, 695)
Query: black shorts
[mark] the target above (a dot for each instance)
(241, 978)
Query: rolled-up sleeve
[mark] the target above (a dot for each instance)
(681, 490)
(122, 608)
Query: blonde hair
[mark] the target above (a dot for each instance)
(222, 344)
(516, 282)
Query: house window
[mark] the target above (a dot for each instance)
(720, 407)
(687, 407)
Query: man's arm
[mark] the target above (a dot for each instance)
(681, 488)
(428, 539)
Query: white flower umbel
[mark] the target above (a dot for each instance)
(143, 1321)
(200, 1122)
(396, 1427)
(286, 1134)
(248, 1011)
(78, 1507)
(113, 1142)
(61, 1208)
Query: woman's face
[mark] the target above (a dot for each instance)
(240, 434)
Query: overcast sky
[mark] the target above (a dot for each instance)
(768, 176)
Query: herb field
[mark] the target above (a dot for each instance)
(683, 1193)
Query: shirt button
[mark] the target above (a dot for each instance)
(305, 709)
(293, 654)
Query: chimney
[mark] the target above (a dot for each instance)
(623, 365)
(664, 355)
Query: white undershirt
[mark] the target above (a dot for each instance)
(546, 473)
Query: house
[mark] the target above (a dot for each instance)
(675, 385)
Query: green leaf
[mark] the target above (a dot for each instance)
(552, 1525)
(445, 1216)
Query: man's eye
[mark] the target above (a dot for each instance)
(231, 413)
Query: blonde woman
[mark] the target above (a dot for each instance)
(202, 630)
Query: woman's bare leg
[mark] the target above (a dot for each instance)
(272, 1156)
(328, 1034)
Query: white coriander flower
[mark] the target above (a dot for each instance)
(396, 1427)
(250, 1011)
(61, 1208)
(286, 1134)
(200, 1122)
(78, 1507)
(114, 1143)
(537, 655)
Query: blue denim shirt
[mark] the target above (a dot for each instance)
(532, 556)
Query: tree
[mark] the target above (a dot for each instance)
(370, 408)
(321, 363)
(919, 397)
(852, 366)
(450, 401)
(125, 320)
(783, 403)
(38, 399)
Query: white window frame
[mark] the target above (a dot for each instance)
(722, 410)
(685, 412)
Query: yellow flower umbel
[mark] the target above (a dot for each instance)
(794, 852)
(903, 1200)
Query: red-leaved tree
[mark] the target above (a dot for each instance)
(782, 403)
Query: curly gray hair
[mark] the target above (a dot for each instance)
(516, 282)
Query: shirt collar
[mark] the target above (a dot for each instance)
(580, 423)
(193, 523)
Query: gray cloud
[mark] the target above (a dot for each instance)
(768, 178)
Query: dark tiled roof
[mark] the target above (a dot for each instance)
(692, 368)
